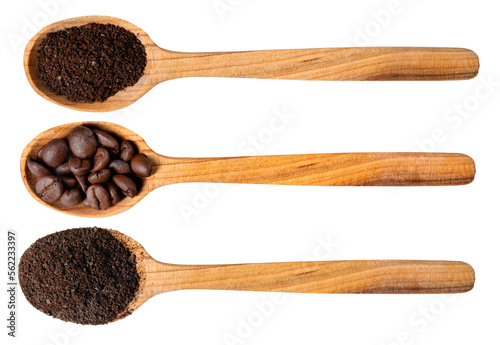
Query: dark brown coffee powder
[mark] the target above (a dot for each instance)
(83, 275)
(90, 63)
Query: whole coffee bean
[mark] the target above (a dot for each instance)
(97, 174)
(79, 166)
(120, 167)
(98, 197)
(126, 184)
(82, 142)
(100, 176)
(63, 169)
(107, 140)
(71, 197)
(49, 188)
(54, 152)
(101, 159)
(84, 183)
(140, 165)
(126, 151)
(37, 169)
(114, 192)
(68, 181)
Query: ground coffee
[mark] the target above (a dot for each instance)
(81, 275)
(90, 63)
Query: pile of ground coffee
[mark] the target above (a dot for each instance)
(81, 275)
(90, 63)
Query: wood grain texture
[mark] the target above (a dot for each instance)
(336, 169)
(364, 276)
(364, 63)
(356, 276)
(370, 63)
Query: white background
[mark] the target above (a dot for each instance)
(256, 223)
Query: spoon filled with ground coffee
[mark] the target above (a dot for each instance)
(99, 63)
(98, 169)
(96, 276)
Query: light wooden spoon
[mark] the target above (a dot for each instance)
(373, 63)
(337, 169)
(360, 276)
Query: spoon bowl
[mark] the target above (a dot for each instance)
(62, 131)
(334, 169)
(120, 100)
(369, 63)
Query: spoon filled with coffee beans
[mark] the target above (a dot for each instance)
(98, 169)
(97, 276)
(99, 63)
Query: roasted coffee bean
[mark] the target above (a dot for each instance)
(120, 167)
(71, 197)
(100, 176)
(68, 181)
(82, 142)
(63, 169)
(126, 151)
(49, 188)
(140, 165)
(114, 192)
(126, 184)
(109, 164)
(101, 159)
(79, 166)
(107, 140)
(54, 152)
(98, 197)
(84, 183)
(37, 169)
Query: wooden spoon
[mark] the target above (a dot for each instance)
(338, 169)
(373, 63)
(363, 276)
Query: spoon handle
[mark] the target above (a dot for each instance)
(369, 63)
(363, 276)
(337, 169)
